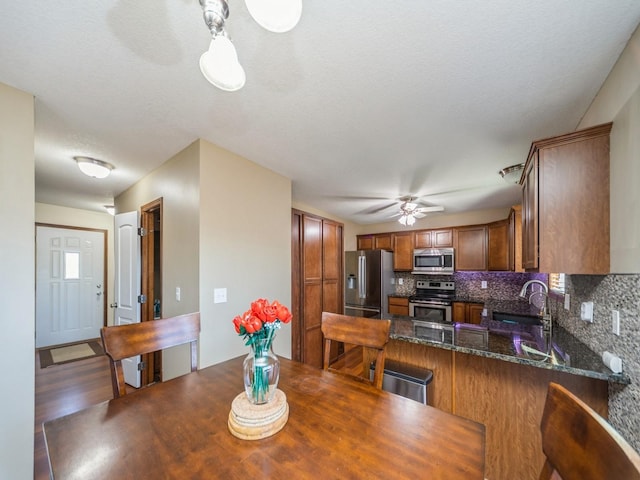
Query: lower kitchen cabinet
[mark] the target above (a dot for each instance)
(508, 398)
(399, 306)
(464, 312)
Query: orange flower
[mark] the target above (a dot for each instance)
(282, 313)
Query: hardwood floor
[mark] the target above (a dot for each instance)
(64, 389)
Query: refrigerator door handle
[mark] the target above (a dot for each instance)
(362, 269)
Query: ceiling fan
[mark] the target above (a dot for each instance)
(409, 211)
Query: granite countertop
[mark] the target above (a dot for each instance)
(523, 344)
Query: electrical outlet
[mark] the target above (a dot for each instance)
(483, 284)
(567, 302)
(219, 295)
(586, 311)
(615, 322)
(178, 294)
(400, 281)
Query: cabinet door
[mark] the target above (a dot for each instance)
(403, 251)
(474, 314)
(422, 239)
(498, 233)
(530, 215)
(365, 242)
(383, 241)
(442, 238)
(471, 248)
(458, 312)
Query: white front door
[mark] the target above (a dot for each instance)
(127, 283)
(69, 285)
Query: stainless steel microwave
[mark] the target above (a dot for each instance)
(433, 260)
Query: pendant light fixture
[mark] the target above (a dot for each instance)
(219, 64)
(277, 16)
(93, 167)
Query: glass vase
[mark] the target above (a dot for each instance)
(261, 372)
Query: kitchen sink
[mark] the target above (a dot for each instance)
(516, 318)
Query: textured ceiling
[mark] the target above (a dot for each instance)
(364, 101)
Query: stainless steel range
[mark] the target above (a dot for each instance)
(432, 300)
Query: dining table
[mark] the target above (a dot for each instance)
(337, 428)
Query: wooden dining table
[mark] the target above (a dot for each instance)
(337, 428)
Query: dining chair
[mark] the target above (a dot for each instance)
(579, 444)
(124, 341)
(366, 332)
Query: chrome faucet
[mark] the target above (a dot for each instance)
(546, 318)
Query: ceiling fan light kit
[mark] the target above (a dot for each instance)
(409, 211)
(93, 167)
(219, 64)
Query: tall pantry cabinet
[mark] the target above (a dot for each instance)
(317, 281)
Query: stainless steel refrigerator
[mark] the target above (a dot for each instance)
(368, 277)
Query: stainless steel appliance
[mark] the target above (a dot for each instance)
(433, 260)
(405, 380)
(368, 275)
(432, 301)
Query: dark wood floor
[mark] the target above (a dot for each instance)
(64, 389)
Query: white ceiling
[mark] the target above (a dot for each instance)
(362, 102)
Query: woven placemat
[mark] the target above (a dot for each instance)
(253, 422)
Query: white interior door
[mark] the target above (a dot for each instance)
(127, 283)
(69, 285)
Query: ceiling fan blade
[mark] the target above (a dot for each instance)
(419, 215)
(436, 208)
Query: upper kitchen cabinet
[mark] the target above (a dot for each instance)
(434, 238)
(499, 239)
(470, 245)
(378, 241)
(565, 203)
(403, 251)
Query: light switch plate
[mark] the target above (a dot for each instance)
(567, 302)
(615, 322)
(219, 295)
(586, 311)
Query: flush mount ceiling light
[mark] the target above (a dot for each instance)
(277, 16)
(219, 64)
(512, 174)
(93, 167)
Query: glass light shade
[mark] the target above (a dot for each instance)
(277, 16)
(513, 173)
(220, 65)
(407, 220)
(93, 167)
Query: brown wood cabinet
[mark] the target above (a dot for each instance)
(398, 305)
(508, 398)
(403, 251)
(464, 312)
(499, 241)
(378, 241)
(433, 238)
(565, 203)
(317, 281)
(471, 248)
(515, 239)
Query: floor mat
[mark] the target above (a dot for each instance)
(69, 353)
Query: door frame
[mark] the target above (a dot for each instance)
(151, 261)
(104, 258)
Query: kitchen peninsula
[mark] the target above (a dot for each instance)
(484, 375)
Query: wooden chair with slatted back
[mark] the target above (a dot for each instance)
(124, 341)
(366, 332)
(579, 444)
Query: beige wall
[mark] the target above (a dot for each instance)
(176, 182)
(619, 101)
(17, 281)
(245, 247)
(74, 217)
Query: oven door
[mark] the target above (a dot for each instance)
(430, 312)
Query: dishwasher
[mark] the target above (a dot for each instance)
(405, 380)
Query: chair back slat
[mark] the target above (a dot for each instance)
(124, 341)
(366, 332)
(579, 444)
